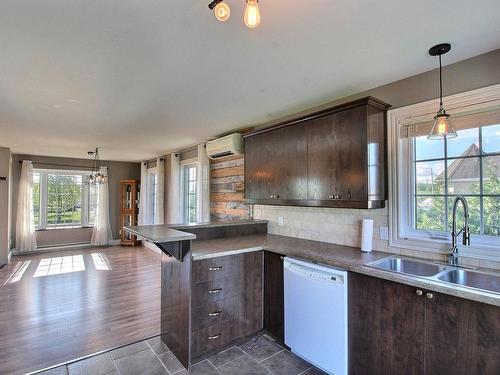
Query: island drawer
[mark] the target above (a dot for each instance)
(217, 268)
(215, 313)
(216, 290)
(207, 339)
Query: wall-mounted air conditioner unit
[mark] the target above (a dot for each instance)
(231, 144)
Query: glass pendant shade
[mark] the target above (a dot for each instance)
(252, 14)
(442, 127)
(222, 12)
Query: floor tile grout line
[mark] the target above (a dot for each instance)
(157, 357)
(225, 350)
(307, 369)
(272, 355)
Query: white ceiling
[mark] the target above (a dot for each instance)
(139, 78)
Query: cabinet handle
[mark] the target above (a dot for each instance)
(274, 196)
(213, 291)
(334, 197)
(214, 337)
(215, 313)
(429, 295)
(418, 292)
(216, 268)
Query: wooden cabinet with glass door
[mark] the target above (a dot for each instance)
(129, 195)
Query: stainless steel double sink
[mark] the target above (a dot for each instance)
(435, 271)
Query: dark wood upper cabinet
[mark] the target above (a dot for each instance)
(399, 329)
(333, 158)
(276, 163)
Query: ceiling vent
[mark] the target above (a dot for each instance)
(229, 145)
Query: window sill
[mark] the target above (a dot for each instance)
(64, 227)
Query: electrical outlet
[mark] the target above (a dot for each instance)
(280, 221)
(384, 233)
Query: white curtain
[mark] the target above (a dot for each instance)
(203, 185)
(101, 234)
(143, 196)
(25, 225)
(174, 204)
(160, 186)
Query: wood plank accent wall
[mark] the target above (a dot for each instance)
(227, 188)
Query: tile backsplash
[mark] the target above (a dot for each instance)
(341, 226)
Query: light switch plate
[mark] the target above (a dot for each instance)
(384, 233)
(280, 221)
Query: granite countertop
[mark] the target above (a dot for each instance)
(344, 257)
(162, 233)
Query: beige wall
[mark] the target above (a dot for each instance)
(342, 226)
(5, 206)
(54, 237)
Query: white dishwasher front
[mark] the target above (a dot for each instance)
(316, 314)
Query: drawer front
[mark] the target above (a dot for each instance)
(217, 290)
(217, 268)
(214, 337)
(215, 313)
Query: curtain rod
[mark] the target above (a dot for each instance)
(60, 165)
(153, 160)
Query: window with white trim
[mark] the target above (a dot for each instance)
(189, 192)
(61, 199)
(153, 195)
(429, 174)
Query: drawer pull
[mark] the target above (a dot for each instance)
(213, 291)
(216, 268)
(215, 313)
(214, 337)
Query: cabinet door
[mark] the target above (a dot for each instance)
(386, 320)
(276, 164)
(462, 336)
(337, 156)
(274, 312)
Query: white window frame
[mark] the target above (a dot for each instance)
(44, 196)
(192, 162)
(152, 199)
(400, 186)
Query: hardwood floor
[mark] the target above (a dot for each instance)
(55, 307)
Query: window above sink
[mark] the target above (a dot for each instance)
(426, 175)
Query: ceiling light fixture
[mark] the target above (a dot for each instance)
(252, 14)
(441, 128)
(251, 17)
(96, 177)
(221, 10)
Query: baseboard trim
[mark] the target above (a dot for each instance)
(75, 246)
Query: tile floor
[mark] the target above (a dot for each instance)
(259, 355)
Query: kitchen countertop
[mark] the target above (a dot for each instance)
(344, 257)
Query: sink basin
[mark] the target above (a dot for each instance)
(408, 266)
(472, 279)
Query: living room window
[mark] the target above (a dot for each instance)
(61, 199)
(431, 173)
(189, 192)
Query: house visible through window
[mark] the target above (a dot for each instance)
(61, 199)
(432, 173)
(189, 192)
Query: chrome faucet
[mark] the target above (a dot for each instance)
(453, 256)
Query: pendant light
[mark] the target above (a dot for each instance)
(221, 10)
(96, 177)
(441, 128)
(252, 14)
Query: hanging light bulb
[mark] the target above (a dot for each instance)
(252, 14)
(441, 128)
(222, 11)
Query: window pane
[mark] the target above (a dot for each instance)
(430, 213)
(465, 144)
(491, 138)
(64, 199)
(463, 176)
(36, 198)
(474, 214)
(491, 175)
(428, 149)
(430, 177)
(491, 209)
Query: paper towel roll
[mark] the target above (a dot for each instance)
(367, 235)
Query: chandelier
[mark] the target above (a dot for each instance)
(96, 177)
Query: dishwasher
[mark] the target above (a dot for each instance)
(316, 314)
